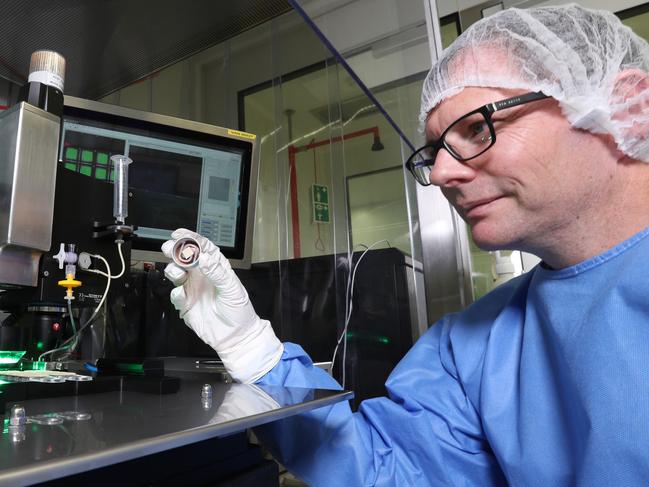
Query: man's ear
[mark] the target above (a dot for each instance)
(630, 102)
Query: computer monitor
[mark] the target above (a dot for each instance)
(184, 173)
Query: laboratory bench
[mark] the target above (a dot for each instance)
(193, 433)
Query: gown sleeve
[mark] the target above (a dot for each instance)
(425, 432)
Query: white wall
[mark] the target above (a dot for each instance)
(357, 24)
(382, 40)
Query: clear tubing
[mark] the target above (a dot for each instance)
(120, 190)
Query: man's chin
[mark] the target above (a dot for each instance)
(487, 239)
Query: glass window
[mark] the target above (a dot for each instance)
(377, 208)
(638, 19)
(450, 29)
(353, 158)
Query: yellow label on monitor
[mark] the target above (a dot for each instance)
(239, 133)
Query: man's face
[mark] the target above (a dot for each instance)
(540, 184)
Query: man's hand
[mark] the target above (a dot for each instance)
(213, 302)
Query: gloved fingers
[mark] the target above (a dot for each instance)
(175, 274)
(213, 264)
(167, 248)
(206, 245)
(179, 299)
(184, 233)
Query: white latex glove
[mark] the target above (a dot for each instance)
(213, 302)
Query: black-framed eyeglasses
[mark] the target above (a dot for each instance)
(466, 138)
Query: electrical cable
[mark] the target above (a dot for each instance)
(121, 258)
(70, 343)
(108, 276)
(74, 328)
(350, 251)
(90, 367)
(74, 332)
(349, 305)
(63, 347)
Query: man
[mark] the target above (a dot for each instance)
(537, 124)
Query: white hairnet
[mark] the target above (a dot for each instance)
(593, 65)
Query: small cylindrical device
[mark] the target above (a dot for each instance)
(206, 391)
(186, 252)
(206, 397)
(120, 190)
(44, 87)
(18, 415)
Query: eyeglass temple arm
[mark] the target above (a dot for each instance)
(516, 100)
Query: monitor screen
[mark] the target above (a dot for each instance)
(183, 174)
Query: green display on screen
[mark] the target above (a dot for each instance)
(70, 166)
(86, 170)
(71, 153)
(100, 173)
(102, 158)
(87, 156)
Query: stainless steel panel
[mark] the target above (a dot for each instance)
(18, 267)
(445, 254)
(417, 301)
(34, 177)
(127, 425)
(29, 139)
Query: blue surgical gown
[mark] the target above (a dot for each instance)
(543, 382)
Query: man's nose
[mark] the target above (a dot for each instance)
(448, 171)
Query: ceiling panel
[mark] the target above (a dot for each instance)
(109, 44)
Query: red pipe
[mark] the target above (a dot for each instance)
(295, 212)
(292, 151)
(351, 135)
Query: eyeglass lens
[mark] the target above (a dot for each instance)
(468, 137)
